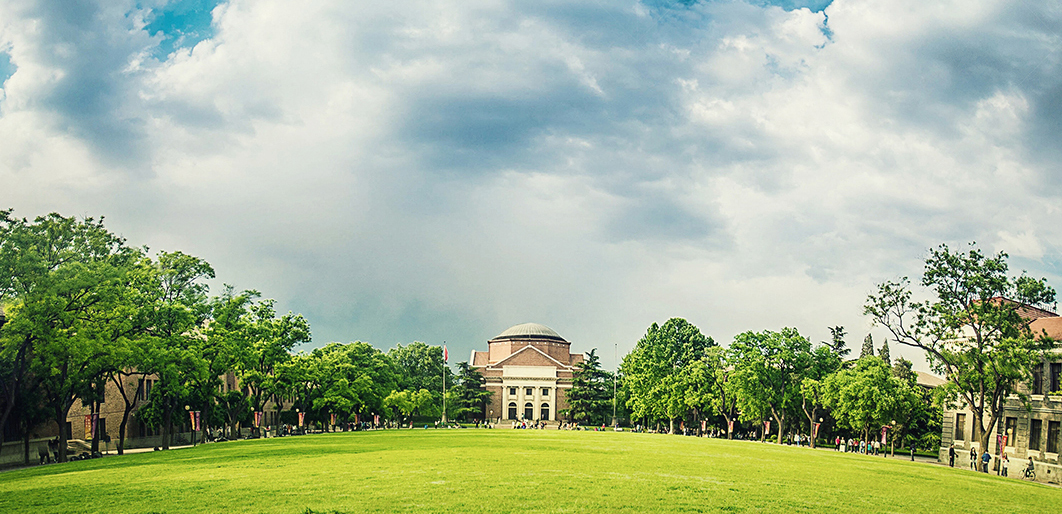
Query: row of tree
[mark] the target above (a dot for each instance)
(82, 309)
(974, 328)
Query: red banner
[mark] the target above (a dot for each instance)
(333, 418)
(815, 433)
(257, 419)
(884, 430)
(703, 425)
(446, 354)
(302, 418)
(88, 426)
(730, 427)
(767, 431)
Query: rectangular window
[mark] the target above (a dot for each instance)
(1038, 379)
(140, 390)
(1056, 370)
(545, 391)
(1011, 430)
(1052, 436)
(1034, 433)
(529, 391)
(512, 391)
(960, 425)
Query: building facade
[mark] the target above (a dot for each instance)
(1032, 430)
(528, 368)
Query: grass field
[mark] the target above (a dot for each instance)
(460, 471)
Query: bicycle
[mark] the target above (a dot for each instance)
(1029, 473)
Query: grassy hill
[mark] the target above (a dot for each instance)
(460, 471)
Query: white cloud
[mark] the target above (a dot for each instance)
(448, 169)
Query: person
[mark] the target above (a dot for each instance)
(951, 456)
(985, 459)
(1004, 465)
(837, 442)
(1030, 469)
(973, 459)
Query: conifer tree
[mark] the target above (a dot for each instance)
(868, 347)
(884, 353)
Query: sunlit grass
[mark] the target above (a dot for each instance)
(509, 471)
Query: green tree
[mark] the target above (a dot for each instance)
(654, 370)
(590, 397)
(867, 396)
(868, 347)
(64, 277)
(769, 368)
(837, 343)
(823, 362)
(884, 353)
(973, 332)
(470, 393)
(420, 366)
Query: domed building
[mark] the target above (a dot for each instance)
(528, 367)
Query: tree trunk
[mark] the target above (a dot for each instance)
(60, 419)
(167, 427)
(95, 447)
(671, 426)
(121, 429)
(781, 427)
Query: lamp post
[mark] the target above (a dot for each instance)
(297, 420)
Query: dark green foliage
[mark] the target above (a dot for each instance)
(590, 398)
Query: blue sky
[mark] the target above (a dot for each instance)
(444, 170)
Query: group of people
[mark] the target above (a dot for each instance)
(857, 446)
(982, 463)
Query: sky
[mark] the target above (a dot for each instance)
(441, 170)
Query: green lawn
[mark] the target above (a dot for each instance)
(460, 471)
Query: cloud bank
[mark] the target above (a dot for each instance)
(443, 170)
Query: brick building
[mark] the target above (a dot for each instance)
(1032, 431)
(529, 368)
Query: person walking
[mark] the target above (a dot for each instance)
(951, 456)
(973, 459)
(985, 459)
(1004, 464)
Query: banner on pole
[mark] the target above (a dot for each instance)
(302, 418)
(446, 354)
(767, 432)
(815, 433)
(257, 419)
(730, 427)
(884, 430)
(88, 426)
(191, 419)
(703, 425)
(333, 418)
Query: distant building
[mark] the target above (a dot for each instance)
(529, 368)
(1034, 432)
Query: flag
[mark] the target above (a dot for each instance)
(446, 354)
(333, 418)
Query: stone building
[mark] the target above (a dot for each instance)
(529, 368)
(1033, 430)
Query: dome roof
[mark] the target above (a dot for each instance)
(534, 330)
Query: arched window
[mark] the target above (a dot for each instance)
(529, 411)
(512, 410)
(545, 412)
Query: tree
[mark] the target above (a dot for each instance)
(470, 393)
(973, 332)
(822, 364)
(868, 396)
(884, 353)
(768, 371)
(653, 371)
(420, 366)
(868, 347)
(837, 344)
(590, 398)
(65, 277)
